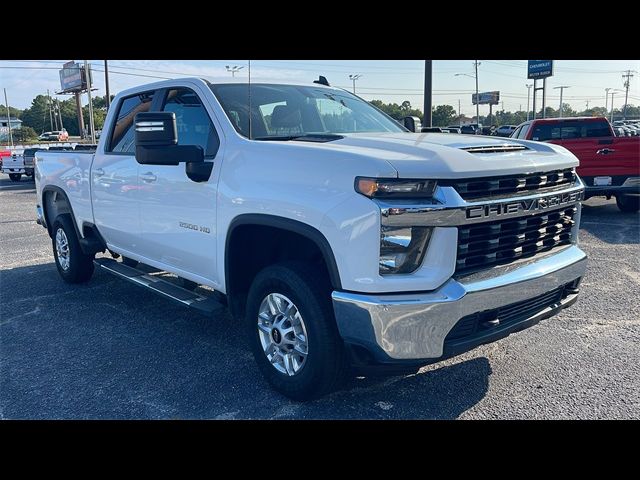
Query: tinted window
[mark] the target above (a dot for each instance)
(545, 131)
(123, 139)
(192, 121)
(597, 129)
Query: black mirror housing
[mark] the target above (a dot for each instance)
(156, 129)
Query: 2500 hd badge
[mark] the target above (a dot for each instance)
(526, 205)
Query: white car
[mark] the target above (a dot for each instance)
(335, 237)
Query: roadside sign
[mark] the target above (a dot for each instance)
(539, 69)
(490, 98)
(73, 78)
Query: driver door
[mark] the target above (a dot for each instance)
(177, 214)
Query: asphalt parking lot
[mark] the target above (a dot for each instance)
(110, 350)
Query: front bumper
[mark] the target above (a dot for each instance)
(396, 328)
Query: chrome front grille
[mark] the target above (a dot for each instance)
(511, 185)
(483, 245)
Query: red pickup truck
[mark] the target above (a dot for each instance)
(609, 165)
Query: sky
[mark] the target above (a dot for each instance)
(387, 80)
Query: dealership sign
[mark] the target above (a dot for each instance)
(486, 98)
(72, 77)
(540, 69)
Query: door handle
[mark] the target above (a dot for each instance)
(605, 151)
(98, 172)
(148, 177)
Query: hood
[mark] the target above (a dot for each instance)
(445, 155)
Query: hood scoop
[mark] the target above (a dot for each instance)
(495, 148)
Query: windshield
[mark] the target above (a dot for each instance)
(292, 111)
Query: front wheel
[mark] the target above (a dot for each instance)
(628, 203)
(292, 332)
(15, 177)
(72, 264)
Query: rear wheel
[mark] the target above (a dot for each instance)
(292, 332)
(72, 264)
(15, 177)
(628, 203)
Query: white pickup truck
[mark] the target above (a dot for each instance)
(340, 241)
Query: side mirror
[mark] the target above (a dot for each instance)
(157, 141)
(412, 123)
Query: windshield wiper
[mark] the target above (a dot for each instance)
(308, 137)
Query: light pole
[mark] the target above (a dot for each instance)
(606, 99)
(614, 90)
(561, 90)
(475, 63)
(528, 93)
(353, 78)
(233, 69)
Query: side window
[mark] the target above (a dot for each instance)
(524, 131)
(122, 137)
(192, 121)
(596, 129)
(516, 132)
(544, 132)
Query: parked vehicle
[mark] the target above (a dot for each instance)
(4, 154)
(54, 136)
(86, 146)
(450, 130)
(609, 165)
(13, 165)
(45, 136)
(336, 240)
(431, 129)
(454, 129)
(29, 156)
(468, 130)
(505, 130)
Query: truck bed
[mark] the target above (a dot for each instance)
(70, 172)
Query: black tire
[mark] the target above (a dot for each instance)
(129, 262)
(326, 365)
(80, 267)
(15, 177)
(628, 203)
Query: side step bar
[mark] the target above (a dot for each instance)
(206, 305)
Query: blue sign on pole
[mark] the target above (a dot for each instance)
(539, 69)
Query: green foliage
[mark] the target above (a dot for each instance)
(13, 111)
(443, 116)
(24, 134)
(397, 111)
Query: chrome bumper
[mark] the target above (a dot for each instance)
(414, 325)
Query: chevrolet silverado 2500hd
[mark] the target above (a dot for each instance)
(609, 165)
(335, 236)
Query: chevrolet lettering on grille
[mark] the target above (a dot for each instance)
(517, 206)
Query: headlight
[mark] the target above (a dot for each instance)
(402, 248)
(394, 187)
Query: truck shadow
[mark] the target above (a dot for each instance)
(602, 219)
(107, 349)
(26, 184)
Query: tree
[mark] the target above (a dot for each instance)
(397, 111)
(24, 134)
(37, 115)
(443, 115)
(13, 111)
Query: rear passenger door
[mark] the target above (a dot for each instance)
(177, 214)
(114, 177)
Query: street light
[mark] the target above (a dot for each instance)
(233, 69)
(475, 63)
(528, 92)
(353, 78)
(614, 90)
(606, 99)
(561, 90)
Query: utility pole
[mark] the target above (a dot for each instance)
(233, 69)
(353, 78)
(50, 116)
(587, 104)
(80, 116)
(106, 84)
(60, 114)
(6, 103)
(476, 63)
(459, 114)
(428, 92)
(606, 99)
(92, 131)
(561, 90)
(626, 84)
(528, 92)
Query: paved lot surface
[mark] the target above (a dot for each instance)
(110, 350)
